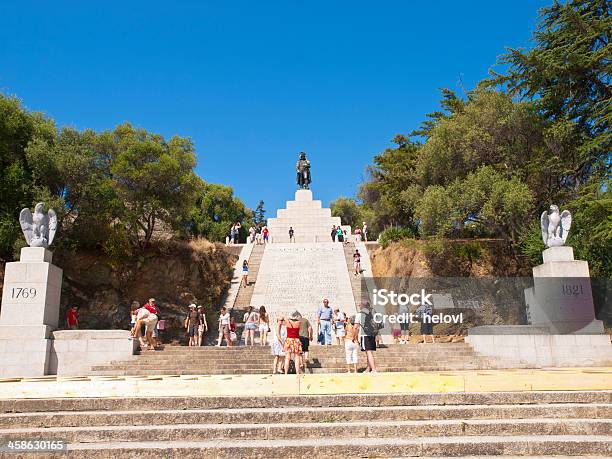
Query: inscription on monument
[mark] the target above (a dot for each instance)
(23, 293)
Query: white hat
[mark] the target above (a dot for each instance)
(192, 305)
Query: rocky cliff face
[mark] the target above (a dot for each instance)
(175, 273)
(490, 259)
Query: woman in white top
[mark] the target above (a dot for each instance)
(224, 331)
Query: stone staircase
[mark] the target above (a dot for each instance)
(243, 300)
(429, 425)
(177, 360)
(360, 293)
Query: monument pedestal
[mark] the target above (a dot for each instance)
(561, 297)
(310, 221)
(563, 331)
(30, 312)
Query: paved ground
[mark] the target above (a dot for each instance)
(558, 379)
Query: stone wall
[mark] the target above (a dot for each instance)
(74, 352)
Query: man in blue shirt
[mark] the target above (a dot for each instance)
(324, 317)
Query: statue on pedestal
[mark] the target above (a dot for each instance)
(555, 227)
(38, 228)
(303, 172)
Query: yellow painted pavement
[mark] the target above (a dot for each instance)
(310, 384)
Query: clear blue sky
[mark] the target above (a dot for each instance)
(254, 83)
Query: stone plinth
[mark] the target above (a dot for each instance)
(30, 311)
(310, 221)
(561, 297)
(74, 352)
(528, 346)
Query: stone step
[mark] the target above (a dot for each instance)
(446, 347)
(523, 399)
(314, 361)
(267, 371)
(315, 430)
(520, 445)
(291, 415)
(407, 359)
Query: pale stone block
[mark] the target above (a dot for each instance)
(563, 340)
(14, 272)
(571, 269)
(36, 272)
(505, 340)
(36, 254)
(12, 358)
(563, 253)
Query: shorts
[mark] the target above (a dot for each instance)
(265, 238)
(263, 328)
(340, 332)
(305, 343)
(250, 326)
(356, 264)
(224, 329)
(150, 323)
(193, 330)
(368, 343)
(351, 349)
(426, 328)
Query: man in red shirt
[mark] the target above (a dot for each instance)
(150, 306)
(72, 318)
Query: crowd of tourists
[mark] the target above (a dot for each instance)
(260, 234)
(290, 337)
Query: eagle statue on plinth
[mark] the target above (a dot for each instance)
(38, 228)
(555, 226)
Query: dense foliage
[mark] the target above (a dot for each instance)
(488, 164)
(118, 190)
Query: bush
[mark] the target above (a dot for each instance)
(394, 235)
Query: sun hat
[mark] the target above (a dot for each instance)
(192, 305)
(295, 315)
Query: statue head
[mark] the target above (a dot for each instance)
(554, 209)
(302, 155)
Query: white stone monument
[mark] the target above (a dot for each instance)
(561, 298)
(562, 328)
(30, 300)
(309, 219)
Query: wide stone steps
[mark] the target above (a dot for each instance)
(282, 431)
(360, 293)
(322, 359)
(460, 424)
(243, 299)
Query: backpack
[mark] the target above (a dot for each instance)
(370, 327)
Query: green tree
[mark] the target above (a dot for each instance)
(567, 73)
(348, 210)
(18, 128)
(259, 214)
(154, 180)
(215, 211)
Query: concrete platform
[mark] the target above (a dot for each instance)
(566, 379)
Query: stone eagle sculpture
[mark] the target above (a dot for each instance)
(38, 228)
(555, 227)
